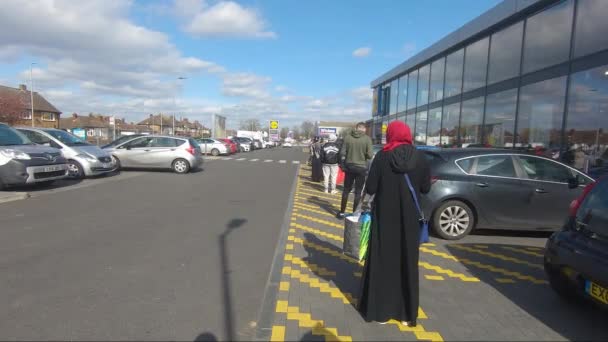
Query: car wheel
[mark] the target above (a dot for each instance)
(75, 170)
(453, 220)
(215, 152)
(559, 283)
(116, 162)
(181, 166)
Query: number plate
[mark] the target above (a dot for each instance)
(596, 291)
(52, 168)
(105, 165)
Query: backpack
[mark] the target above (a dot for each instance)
(330, 154)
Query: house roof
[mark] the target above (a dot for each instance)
(83, 121)
(336, 124)
(40, 103)
(155, 120)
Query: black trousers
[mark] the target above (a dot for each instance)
(356, 176)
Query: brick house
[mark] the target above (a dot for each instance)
(45, 114)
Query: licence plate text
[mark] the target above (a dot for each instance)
(596, 291)
(52, 168)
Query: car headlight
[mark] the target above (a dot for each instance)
(14, 154)
(87, 157)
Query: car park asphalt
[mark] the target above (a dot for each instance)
(145, 255)
(248, 248)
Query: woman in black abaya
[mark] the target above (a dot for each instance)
(317, 166)
(389, 286)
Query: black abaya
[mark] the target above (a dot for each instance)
(389, 286)
(317, 166)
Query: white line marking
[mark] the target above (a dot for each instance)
(254, 159)
(241, 159)
(268, 161)
(296, 162)
(227, 158)
(282, 161)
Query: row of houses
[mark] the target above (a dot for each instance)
(16, 109)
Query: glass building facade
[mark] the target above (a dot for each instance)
(536, 80)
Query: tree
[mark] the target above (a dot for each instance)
(12, 108)
(308, 129)
(284, 131)
(296, 133)
(250, 125)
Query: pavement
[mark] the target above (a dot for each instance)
(490, 286)
(248, 248)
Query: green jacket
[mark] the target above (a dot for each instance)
(356, 149)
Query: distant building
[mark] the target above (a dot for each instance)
(45, 114)
(90, 127)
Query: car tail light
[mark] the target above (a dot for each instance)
(434, 179)
(191, 150)
(576, 204)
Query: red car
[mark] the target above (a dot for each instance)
(232, 145)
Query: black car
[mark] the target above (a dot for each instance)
(497, 189)
(576, 258)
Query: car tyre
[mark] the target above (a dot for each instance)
(117, 163)
(215, 152)
(453, 220)
(181, 166)
(75, 170)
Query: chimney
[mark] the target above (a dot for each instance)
(22, 87)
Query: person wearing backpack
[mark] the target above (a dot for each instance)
(330, 157)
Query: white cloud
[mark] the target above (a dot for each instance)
(246, 85)
(362, 52)
(226, 19)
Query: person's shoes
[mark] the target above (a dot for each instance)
(383, 323)
(409, 324)
(326, 191)
(334, 192)
(340, 215)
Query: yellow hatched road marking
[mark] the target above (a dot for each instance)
(447, 272)
(505, 280)
(314, 199)
(317, 231)
(316, 269)
(297, 207)
(522, 251)
(325, 250)
(434, 277)
(318, 193)
(278, 333)
(305, 320)
(497, 256)
(314, 219)
(315, 283)
(484, 266)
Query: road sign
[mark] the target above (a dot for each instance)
(384, 128)
(274, 124)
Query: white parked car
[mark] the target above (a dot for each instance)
(287, 144)
(213, 146)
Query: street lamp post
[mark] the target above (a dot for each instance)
(32, 92)
(181, 78)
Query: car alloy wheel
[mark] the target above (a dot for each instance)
(75, 170)
(215, 152)
(181, 166)
(453, 220)
(116, 162)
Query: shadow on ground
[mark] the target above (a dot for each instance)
(574, 320)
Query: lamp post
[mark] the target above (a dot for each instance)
(32, 92)
(181, 78)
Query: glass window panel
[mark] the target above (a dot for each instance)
(437, 71)
(541, 109)
(453, 73)
(497, 166)
(545, 170)
(420, 131)
(394, 96)
(410, 120)
(476, 63)
(423, 85)
(587, 121)
(434, 127)
(412, 89)
(471, 122)
(505, 53)
(449, 125)
(500, 118)
(401, 104)
(591, 27)
(547, 39)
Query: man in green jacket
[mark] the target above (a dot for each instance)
(355, 152)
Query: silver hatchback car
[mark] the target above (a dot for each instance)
(180, 154)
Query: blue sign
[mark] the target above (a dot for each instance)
(80, 132)
(328, 130)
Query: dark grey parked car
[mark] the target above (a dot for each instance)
(497, 189)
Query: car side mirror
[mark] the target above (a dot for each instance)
(573, 182)
(47, 144)
(127, 148)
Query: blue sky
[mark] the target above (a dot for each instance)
(271, 59)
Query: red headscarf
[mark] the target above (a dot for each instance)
(397, 134)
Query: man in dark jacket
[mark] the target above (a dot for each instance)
(355, 152)
(330, 156)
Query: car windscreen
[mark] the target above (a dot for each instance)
(12, 137)
(66, 138)
(594, 209)
(120, 141)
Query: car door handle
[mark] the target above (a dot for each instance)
(147, 150)
(482, 185)
(541, 191)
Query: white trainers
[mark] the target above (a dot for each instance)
(333, 192)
